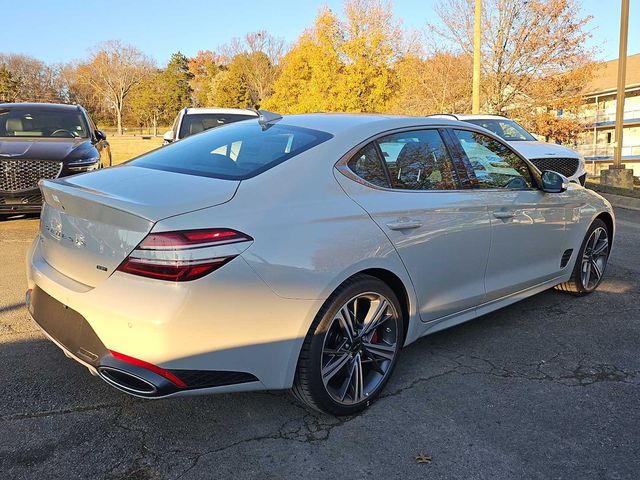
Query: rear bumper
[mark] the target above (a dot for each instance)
(225, 332)
(73, 334)
(21, 202)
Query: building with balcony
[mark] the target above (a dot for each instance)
(596, 143)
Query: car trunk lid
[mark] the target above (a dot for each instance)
(90, 223)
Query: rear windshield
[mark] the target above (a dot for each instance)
(234, 152)
(506, 129)
(193, 123)
(40, 122)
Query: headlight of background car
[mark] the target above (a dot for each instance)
(84, 164)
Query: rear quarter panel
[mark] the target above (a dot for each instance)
(309, 236)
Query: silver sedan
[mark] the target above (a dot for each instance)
(301, 252)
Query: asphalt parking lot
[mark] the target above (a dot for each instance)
(547, 388)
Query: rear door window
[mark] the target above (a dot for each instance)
(418, 160)
(235, 152)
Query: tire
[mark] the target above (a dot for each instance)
(597, 257)
(342, 370)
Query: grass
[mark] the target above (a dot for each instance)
(126, 147)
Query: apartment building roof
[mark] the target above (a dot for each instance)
(606, 77)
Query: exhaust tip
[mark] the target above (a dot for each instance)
(127, 381)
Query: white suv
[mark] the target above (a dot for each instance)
(195, 120)
(545, 156)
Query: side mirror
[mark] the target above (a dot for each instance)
(553, 182)
(168, 137)
(100, 135)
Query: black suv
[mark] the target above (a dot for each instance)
(44, 140)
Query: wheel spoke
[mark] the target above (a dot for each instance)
(594, 241)
(340, 349)
(375, 317)
(595, 268)
(380, 350)
(586, 272)
(346, 323)
(348, 380)
(358, 387)
(334, 365)
(601, 249)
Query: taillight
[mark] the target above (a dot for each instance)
(191, 239)
(181, 256)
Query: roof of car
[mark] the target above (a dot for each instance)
(336, 123)
(228, 111)
(468, 116)
(41, 106)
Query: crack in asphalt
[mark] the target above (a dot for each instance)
(313, 429)
(61, 411)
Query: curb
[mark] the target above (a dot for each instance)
(620, 201)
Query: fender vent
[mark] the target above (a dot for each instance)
(565, 257)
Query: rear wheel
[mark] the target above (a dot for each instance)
(351, 348)
(591, 261)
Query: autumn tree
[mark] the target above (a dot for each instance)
(308, 80)
(254, 63)
(524, 42)
(203, 68)
(558, 116)
(231, 88)
(112, 71)
(148, 101)
(8, 86)
(161, 94)
(553, 128)
(342, 65)
(440, 83)
(32, 80)
(371, 44)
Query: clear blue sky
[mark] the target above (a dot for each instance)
(63, 30)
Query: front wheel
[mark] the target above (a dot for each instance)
(351, 348)
(591, 261)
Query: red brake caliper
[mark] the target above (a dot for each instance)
(374, 337)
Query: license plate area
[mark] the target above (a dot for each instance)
(67, 327)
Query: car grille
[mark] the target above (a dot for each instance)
(21, 174)
(29, 199)
(565, 166)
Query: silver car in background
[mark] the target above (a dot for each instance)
(301, 252)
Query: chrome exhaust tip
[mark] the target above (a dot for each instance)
(127, 381)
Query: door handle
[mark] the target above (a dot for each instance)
(504, 215)
(404, 225)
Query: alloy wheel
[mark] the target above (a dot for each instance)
(359, 348)
(594, 258)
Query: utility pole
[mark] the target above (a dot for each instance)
(477, 40)
(617, 175)
(622, 71)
